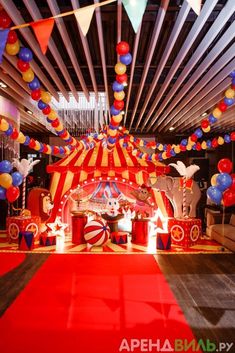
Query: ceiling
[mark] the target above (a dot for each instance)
(180, 69)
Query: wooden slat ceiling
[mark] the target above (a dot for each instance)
(181, 62)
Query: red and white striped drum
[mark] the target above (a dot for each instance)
(96, 232)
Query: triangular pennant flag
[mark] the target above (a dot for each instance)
(84, 17)
(3, 41)
(135, 10)
(42, 30)
(159, 223)
(196, 5)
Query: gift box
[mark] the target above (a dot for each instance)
(79, 220)
(163, 241)
(26, 241)
(47, 240)
(119, 237)
(185, 232)
(17, 224)
(140, 231)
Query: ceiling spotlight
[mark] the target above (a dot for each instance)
(29, 112)
(3, 85)
(125, 84)
(204, 114)
(122, 112)
(171, 128)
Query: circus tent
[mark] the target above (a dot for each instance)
(88, 167)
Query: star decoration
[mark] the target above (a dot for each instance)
(57, 228)
(177, 232)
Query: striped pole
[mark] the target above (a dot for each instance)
(23, 193)
(184, 197)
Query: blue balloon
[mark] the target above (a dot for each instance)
(25, 54)
(208, 143)
(9, 131)
(229, 101)
(2, 193)
(41, 104)
(232, 74)
(17, 178)
(227, 138)
(172, 152)
(27, 140)
(214, 194)
(5, 166)
(61, 150)
(212, 119)
(41, 147)
(198, 133)
(60, 132)
(184, 142)
(35, 84)
(117, 87)
(111, 139)
(223, 181)
(114, 111)
(126, 59)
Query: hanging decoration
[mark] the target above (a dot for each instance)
(42, 30)
(195, 5)
(125, 59)
(3, 42)
(135, 11)
(84, 17)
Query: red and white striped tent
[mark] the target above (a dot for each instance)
(84, 167)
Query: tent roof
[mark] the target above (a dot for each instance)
(99, 159)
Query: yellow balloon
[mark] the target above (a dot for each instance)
(66, 136)
(120, 68)
(154, 157)
(160, 147)
(188, 147)
(220, 140)
(207, 129)
(117, 118)
(48, 149)
(5, 180)
(37, 146)
(230, 93)
(13, 49)
(4, 126)
(119, 96)
(131, 138)
(204, 145)
(52, 115)
(134, 152)
(28, 75)
(21, 138)
(177, 149)
(141, 143)
(74, 142)
(59, 127)
(213, 179)
(45, 97)
(112, 132)
(164, 155)
(217, 113)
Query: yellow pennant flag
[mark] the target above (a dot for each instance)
(84, 17)
(196, 5)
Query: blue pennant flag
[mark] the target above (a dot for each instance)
(3, 41)
(135, 10)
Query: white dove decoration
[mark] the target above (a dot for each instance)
(184, 171)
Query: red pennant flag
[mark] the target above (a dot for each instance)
(42, 30)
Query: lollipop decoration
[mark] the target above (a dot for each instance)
(125, 59)
(222, 190)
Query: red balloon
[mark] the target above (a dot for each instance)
(204, 123)
(182, 148)
(5, 20)
(232, 187)
(198, 146)
(193, 137)
(45, 148)
(233, 87)
(225, 166)
(22, 65)
(12, 194)
(122, 48)
(121, 78)
(113, 123)
(14, 134)
(222, 106)
(55, 123)
(214, 143)
(12, 37)
(32, 143)
(46, 110)
(56, 150)
(119, 105)
(229, 198)
(232, 136)
(36, 94)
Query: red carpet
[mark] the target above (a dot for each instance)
(89, 303)
(9, 261)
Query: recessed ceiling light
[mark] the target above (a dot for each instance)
(29, 112)
(204, 114)
(171, 128)
(3, 85)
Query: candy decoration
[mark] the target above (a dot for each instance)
(96, 232)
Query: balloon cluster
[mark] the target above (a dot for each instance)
(125, 59)
(9, 181)
(25, 56)
(222, 190)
